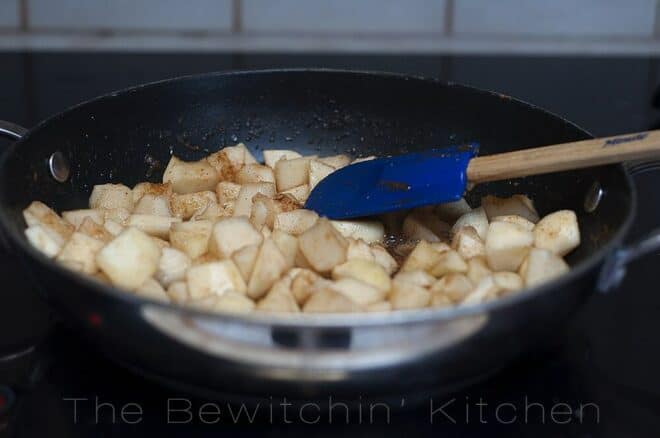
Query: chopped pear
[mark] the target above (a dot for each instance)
(367, 230)
(418, 278)
(318, 171)
(366, 271)
(191, 237)
(542, 265)
(558, 232)
(187, 205)
(243, 205)
(38, 213)
(188, 177)
(268, 268)
(157, 226)
(423, 257)
(178, 292)
(454, 286)
(475, 218)
(408, 296)
(515, 219)
(245, 258)
(45, 240)
(478, 269)
(336, 161)
(323, 246)
(92, 229)
(76, 217)
(291, 173)
(152, 290)
(214, 278)
(288, 246)
(448, 262)
(358, 291)
(507, 245)
(519, 205)
(231, 234)
(111, 196)
(467, 243)
(172, 266)
(148, 188)
(300, 193)
(255, 173)
(130, 259)
(272, 156)
(328, 300)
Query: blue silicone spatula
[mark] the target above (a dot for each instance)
(441, 175)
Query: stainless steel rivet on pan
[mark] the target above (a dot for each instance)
(593, 197)
(59, 166)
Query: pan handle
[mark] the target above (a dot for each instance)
(12, 130)
(614, 269)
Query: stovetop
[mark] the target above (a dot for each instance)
(600, 378)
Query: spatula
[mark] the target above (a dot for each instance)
(441, 175)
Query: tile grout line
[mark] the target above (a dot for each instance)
(23, 15)
(237, 17)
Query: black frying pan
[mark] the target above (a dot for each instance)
(128, 137)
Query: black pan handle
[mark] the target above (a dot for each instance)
(614, 269)
(12, 130)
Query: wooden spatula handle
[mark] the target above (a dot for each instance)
(566, 156)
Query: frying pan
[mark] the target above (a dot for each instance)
(129, 135)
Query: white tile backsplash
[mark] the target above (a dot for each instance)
(344, 16)
(175, 15)
(558, 18)
(9, 14)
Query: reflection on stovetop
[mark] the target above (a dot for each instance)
(606, 361)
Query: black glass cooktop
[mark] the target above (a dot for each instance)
(599, 378)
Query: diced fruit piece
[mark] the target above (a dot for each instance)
(514, 219)
(336, 161)
(300, 193)
(291, 173)
(244, 259)
(158, 226)
(148, 188)
(423, 257)
(279, 299)
(367, 230)
(272, 156)
(268, 268)
(408, 296)
(214, 278)
(231, 234)
(255, 173)
(227, 191)
(420, 225)
(366, 271)
(558, 232)
(486, 290)
(507, 245)
(76, 217)
(178, 292)
(381, 306)
(44, 239)
(358, 249)
(92, 229)
(383, 258)
(358, 291)
(475, 218)
(304, 283)
(113, 227)
(448, 262)
(318, 171)
(111, 196)
(80, 252)
(288, 246)
(172, 266)
(152, 290)
(295, 222)
(454, 286)
(328, 300)
(38, 213)
(191, 237)
(187, 205)
(265, 209)
(467, 243)
(418, 278)
(478, 269)
(542, 265)
(228, 302)
(439, 300)
(451, 211)
(153, 205)
(519, 205)
(188, 177)
(508, 281)
(323, 246)
(243, 205)
(119, 215)
(363, 159)
(130, 258)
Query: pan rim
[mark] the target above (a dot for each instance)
(302, 320)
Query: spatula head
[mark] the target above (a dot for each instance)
(393, 183)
